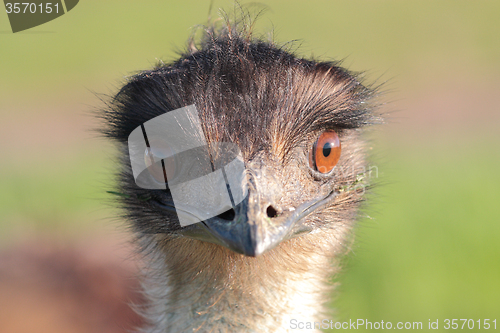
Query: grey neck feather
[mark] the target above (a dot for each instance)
(193, 286)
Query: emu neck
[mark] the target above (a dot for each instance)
(201, 287)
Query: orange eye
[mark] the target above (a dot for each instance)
(325, 152)
(160, 161)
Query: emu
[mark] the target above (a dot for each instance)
(298, 126)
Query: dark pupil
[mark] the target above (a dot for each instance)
(327, 149)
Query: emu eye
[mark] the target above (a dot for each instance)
(160, 161)
(325, 152)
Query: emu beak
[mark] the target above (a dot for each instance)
(249, 231)
(254, 226)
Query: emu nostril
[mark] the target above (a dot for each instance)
(228, 215)
(271, 212)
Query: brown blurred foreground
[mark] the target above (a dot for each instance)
(49, 287)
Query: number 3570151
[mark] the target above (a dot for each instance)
(27, 8)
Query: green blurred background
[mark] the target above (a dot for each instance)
(428, 248)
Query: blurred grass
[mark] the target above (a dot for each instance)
(92, 46)
(64, 195)
(431, 252)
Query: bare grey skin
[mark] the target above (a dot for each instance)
(269, 260)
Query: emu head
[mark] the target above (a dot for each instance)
(295, 122)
